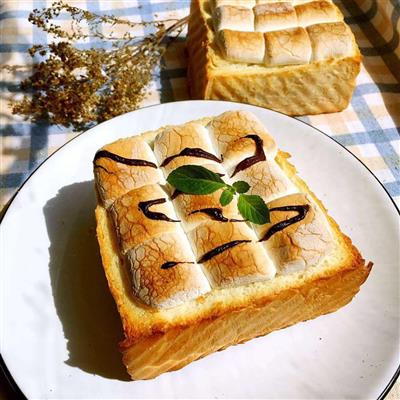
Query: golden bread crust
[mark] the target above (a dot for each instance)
(180, 346)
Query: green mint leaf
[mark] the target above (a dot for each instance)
(194, 179)
(253, 208)
(226, 197)
(241, 186)
(230, 188)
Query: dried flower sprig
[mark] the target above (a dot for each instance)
(77, 87)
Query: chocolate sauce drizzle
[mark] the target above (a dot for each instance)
(170, 264)
(191, 152)
(104, 169)
(145, 205)
(220, 249)
(259, 155)
(302, 212)
(216, 214)
(122, 160)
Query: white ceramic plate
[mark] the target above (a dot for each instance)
(59, 326)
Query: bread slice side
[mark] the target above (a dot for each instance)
(156, 354)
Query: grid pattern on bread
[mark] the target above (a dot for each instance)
(275, 32)
(169, 239)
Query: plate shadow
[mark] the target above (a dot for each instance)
(86, 309)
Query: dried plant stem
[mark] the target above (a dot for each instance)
(79, 88)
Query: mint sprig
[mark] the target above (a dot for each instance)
(241, 186)
(195, 179)
(254, 208)
(226, 197)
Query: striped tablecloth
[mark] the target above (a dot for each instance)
(369, 127)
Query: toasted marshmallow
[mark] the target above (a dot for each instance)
(274, 1)
(240, 3)
(212, 234)
(113, 178)
(241, 262)
(245, 47)
(317, 12)
(274, 16)
(266, 180)
(160, 283)
(132, 224)
(331, 41)
(194, 210)
(173, 140)
(232, 125)
(241, 265)
(291, 46)
(298, 2)
(245, 147)
(292, 2)
(235, 18)
(301, 244)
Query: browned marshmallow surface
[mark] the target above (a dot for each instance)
(189, 208)
(302, 244)
(242, 263)
(266, 180)
(113, 179)
(173, 140)
(317, 12)
(240, 3)
(298, 2)
(246, 47)
(290, 46)
(293, 2)
(238, 40)
(132, 225)
(274, 16)
(159, 286)
(245, 147)
(331, 40)
(232, 125)
(234, 17)
(212, 234)
(216, 248)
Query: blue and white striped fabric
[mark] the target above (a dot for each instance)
(369, 127)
